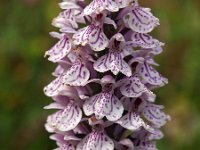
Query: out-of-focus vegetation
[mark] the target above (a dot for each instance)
(24, 38)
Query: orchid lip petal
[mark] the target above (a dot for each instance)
(153, 114)
(141, 20)
(60, 50)
(96, 140)
(114, 62)
(77, 75)
(149, 74)
(145, 41)
(64, 120)
(97, 6)
(92, 35)
(133, 122)
(133, 87)
(104, 104)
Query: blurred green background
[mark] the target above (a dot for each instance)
(24, 27)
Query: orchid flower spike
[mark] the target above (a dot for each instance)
(102, 91)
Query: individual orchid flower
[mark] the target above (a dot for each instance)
(103, 84)
(133, 121)
(146, 71)
(77, 75)
(154, 114)
(145, 41)
(61, 49)
(55, 87)
(65, 19)
(150, 75)
(93, 34)
(68, 20)
(64, 120)
(96, 140)
(133, 87)
(97, 6)
(104, 104)
(140, 19)
(113, 61)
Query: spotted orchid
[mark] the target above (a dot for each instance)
(102, 91)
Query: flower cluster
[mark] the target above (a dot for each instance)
(105, 74)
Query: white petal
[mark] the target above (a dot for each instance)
(68, 5)
(110, 21)
(128, 143)
(133, 87)
(156, 135)
(54, 106)
(88, 106)
(60, 50)
(66, 146)
(65, 19)
(114, 62)
(133, 121)
(77, 75)
(145, 41)
(97, 6)
(153, 114)
(64, 120)
(96, 140)
(104, 104)
(92, 35)
(108, 105)
(123, 3)
(146, 145)
(150, 75)
(141, 20)
(55, 87)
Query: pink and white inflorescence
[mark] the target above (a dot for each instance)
(103, 84)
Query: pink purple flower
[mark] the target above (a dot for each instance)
(103, 87)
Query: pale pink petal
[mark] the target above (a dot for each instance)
(114, 62)
(128, 143)
(109, 106)
(146, 145)
(54, 106)
(141, 20)
(64, 120)
(133, 87)
(133, 122)
(77, 75)
(110, 21)
(154, 114)
(156, 135)
(88, 106)
(104, 104)
(92, 35)
(69, 5)
(123, 3)
(66, 146)
(97, 140)
(145, 41)
(55, 87)
(60, 50)
(150, 75)
(156, 50)
(65, 19)
(97, 6)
